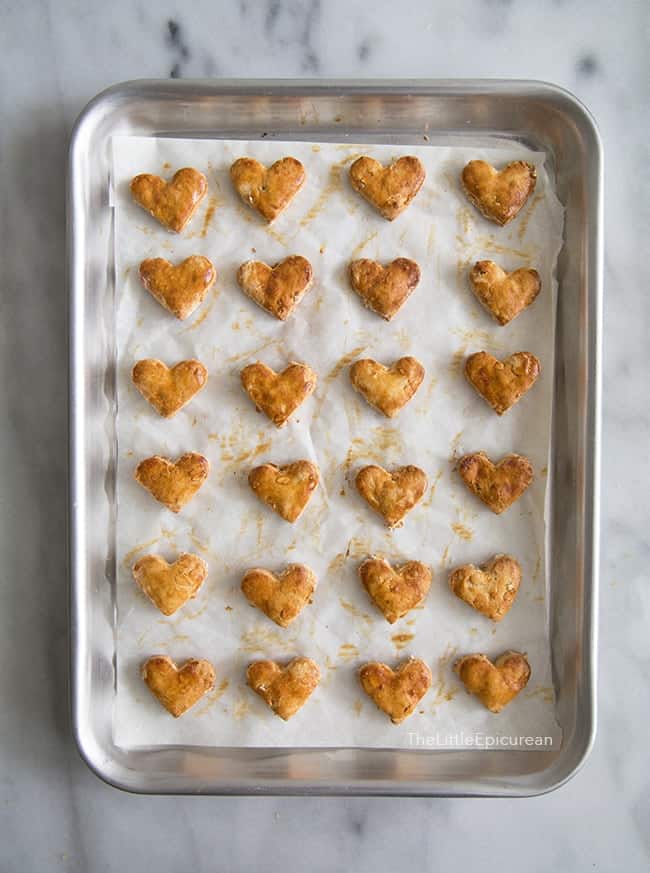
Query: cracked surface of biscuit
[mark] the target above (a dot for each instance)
(504, 295)
(284, 689)
(495, 684)
(384, 290)
(396, 692)
(497, 485)
(268, 190)
(491, 588)
(283, 597)
(180, 288)
(178, 688)
(287, 489)
(278, 395)
(499, 194)
(168, 389)
(387, 389)
(502, 383)
(171, 203)
(173, 483)
(169, 586)
(395, 591)
(389, 189)
(278, 289)
(391, 494)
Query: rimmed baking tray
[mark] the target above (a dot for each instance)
(405, 112)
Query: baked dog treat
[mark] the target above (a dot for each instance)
(278, 395)
(171, 203)
(395, 591)
(178, 688)
(389, 189)
(180, 288)
(504, 295)
(396, 692)
(490, 588)
(284, 689)
(394, 494)
(499, 194)
(495, 684)
(387, 389)
(173, 483)
(168, 389)
(269, 191)
(281, 597)
(502, 383)
(278, 289)
(384, 289)
(287, 490)
(497, 485)
(169, 586)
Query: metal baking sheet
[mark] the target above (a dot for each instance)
(405, 113)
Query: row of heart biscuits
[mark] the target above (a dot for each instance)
(285, 689)
(498, 194)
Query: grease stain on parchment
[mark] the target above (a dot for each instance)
(523, 222)
(401, 641)
(355, 611)
(443, 692)
(332, 186)
(130, 555)
(262, 639)
(348, 652)
(211, 698)
(462, 531)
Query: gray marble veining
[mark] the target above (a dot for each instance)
(54, 56)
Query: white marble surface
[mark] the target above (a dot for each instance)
(54, 814)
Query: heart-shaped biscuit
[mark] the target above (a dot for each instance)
(384, 289)
(287, 490)
(394, 494)
(281, 597)
(169, 586)
(180, 288)
(388, 389)
(504, 295)
(278, 289)
(497, 485)
(269, 191)
(495, 684)
(173, 482)
(389, 189)
(502, 383)
(490, 588)
(284, 689)
(176, 688)
(278, 395)
(395, 591)
(499, 194)
(168, 389)
(172, 203)
(396, 692)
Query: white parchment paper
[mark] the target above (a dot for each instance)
(440, 324)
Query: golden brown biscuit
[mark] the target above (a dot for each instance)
(287, 490)
(169, 586)
(278, 289)
(502, 383)
(504, 295)
(281, 597)
(395, 591)
(171, 203)
(180, 288)
(278, 395)
(394, 494)
(490, 588)
(176, 688)
(388, 389)
(499, 194)
(396, 692)
(495, 684)
(173, 483)
(384, 289)
(389, 189)
(284, 689)
(168, 389)
(269, 191)
(497, 485)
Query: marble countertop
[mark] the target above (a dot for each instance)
(54, 56)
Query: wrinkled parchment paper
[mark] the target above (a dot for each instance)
(440, 324)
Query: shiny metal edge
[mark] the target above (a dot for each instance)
(112, 764)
